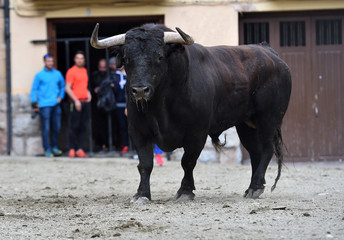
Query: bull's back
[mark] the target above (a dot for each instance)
(241, 75)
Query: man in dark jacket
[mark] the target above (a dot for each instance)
(119, 89)
(118, 78)
(99, 116)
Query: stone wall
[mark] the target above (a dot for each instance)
(2, 51)
(3, 136)
(26, 138)
(230, 153)
(3, 133)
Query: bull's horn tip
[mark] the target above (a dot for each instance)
(97, 26)
(94, 37)
(188, 39)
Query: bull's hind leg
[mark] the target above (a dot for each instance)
(189, 160)
(259, 146)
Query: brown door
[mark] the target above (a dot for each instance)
(311, 44)
(294, 46)
(327, 51)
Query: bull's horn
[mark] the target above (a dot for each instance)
(107, 42)
(180, 37)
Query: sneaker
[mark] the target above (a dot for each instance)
(125, 149)
(159, 159)
(71, 153)
(80, 153)
(56, 151)
(103, 150)
(48, 153)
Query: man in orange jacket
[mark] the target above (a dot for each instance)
(80, 97)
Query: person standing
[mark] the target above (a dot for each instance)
(99, 116)
(98, 77)
(112, 76)
(48, 89)
(80, 97)
(120, 95)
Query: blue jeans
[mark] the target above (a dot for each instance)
(50, 115)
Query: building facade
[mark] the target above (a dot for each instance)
(210, 23)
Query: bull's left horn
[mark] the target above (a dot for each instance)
(107, 42)
(180, 37)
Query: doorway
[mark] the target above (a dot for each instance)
(73, 32)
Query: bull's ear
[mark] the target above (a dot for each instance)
(119, 61)
(173, 48)
(118, 52)
(115, 50)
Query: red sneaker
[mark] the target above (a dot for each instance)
(159, 159)
(71, 153)
(80, 153)
(125, 149)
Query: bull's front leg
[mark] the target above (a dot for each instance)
(145, 167)
(189, 160)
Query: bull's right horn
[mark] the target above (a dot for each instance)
(107, 42)
(180, 37)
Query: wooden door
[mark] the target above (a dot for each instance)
(327, 55)
(311, 44)
(294, 47)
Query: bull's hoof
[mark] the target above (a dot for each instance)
(139, 200)
(254, 194)
(180, 197)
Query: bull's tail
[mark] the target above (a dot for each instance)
(217, 144)
(277, 145)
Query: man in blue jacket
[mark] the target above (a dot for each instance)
(48, 89)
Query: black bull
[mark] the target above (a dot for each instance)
(180, 92)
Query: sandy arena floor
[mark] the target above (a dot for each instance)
(61, 198)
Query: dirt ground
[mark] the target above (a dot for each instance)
(61, 198)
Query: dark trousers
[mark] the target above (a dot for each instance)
(100, 126)
(50, 115)
(78, 123)
(123, 125)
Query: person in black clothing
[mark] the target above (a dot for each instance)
(99, 75)
(99, 116)
(119, 80)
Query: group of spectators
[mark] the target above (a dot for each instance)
(48, 90)
(118, 130)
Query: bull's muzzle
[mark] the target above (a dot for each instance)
(141, 93)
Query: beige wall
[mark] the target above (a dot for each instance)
(209, 25)
(287, 5)
(26, 57)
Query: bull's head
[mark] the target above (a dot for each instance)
(143, 53)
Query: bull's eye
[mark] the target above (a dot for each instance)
(160, 58)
